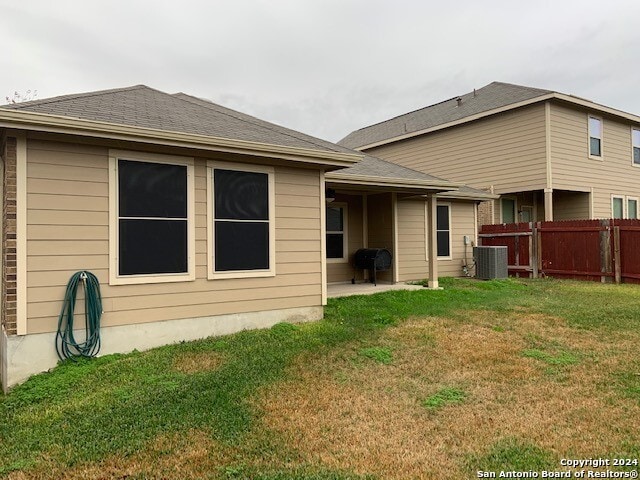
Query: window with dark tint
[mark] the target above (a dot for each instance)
(443, 230)
(335, 232)
(152, 218)
(241, 220)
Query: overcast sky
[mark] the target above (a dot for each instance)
(324, 67)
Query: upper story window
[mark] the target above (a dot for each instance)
(151, 217)
(595, 136)
(337, 232)
(635, 140)
(241, 230)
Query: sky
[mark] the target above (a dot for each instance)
(323, 67)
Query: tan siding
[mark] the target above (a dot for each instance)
(574, 170)
(570, 205)
(343, 271)
(462, 223)
(412, 257)
(505, 150)
(412, 238)
(68, 231)
(380, 223)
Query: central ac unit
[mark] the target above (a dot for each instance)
(491, 262)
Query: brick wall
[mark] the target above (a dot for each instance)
(9, 238)
(485, 213)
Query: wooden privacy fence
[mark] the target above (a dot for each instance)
(600, 250)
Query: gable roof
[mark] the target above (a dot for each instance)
(158, 115)
(488, 100)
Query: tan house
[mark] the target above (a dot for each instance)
(550, 156)
(197, 220)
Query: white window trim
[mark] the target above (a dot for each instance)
(633, 164)
(240, 167)
(448, 205)
(601, 156)
(624, 205)
(114, 277)
(515, 208)
(345, 232)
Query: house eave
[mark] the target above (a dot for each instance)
(41, 122)
(391, 183)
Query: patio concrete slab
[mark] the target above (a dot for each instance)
(347, 289)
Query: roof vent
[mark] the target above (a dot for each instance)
(459, 101)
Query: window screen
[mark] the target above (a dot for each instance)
(443, 231)
(152, 218)
(635, 138)
(241, 220)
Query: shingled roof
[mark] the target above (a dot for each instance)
(141, 106)
(490, 97)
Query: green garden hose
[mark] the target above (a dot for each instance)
(66, 344)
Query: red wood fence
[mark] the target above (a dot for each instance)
(600, 250)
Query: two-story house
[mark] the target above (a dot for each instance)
(549, 155)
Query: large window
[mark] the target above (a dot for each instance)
(337, 233)
(595, 136)
(241, 226)
(635, 140)
(443, 231)
(151, 218)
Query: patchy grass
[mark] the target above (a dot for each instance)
(446, 396)
(291, 402)
(379, 354)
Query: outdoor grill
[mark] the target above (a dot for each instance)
(372, 259)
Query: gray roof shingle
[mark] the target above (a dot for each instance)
(494, 95)
(375, 167)
(141, 106)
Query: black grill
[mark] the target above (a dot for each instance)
(372, 259)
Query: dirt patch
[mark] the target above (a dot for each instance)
(369, 417)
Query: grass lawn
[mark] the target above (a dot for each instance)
(497, 375)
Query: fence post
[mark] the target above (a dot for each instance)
(616, 254)
(539, 248)
(605, 249)
(533, 250)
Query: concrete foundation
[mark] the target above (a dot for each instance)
(24, 355)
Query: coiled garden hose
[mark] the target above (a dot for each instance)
(66, 344)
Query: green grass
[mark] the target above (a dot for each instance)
(510, 454)
(557, 359)
(88, 410)
(379, 354)
(446, 396)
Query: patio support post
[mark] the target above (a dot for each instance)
(432, 240)
(548, 204)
